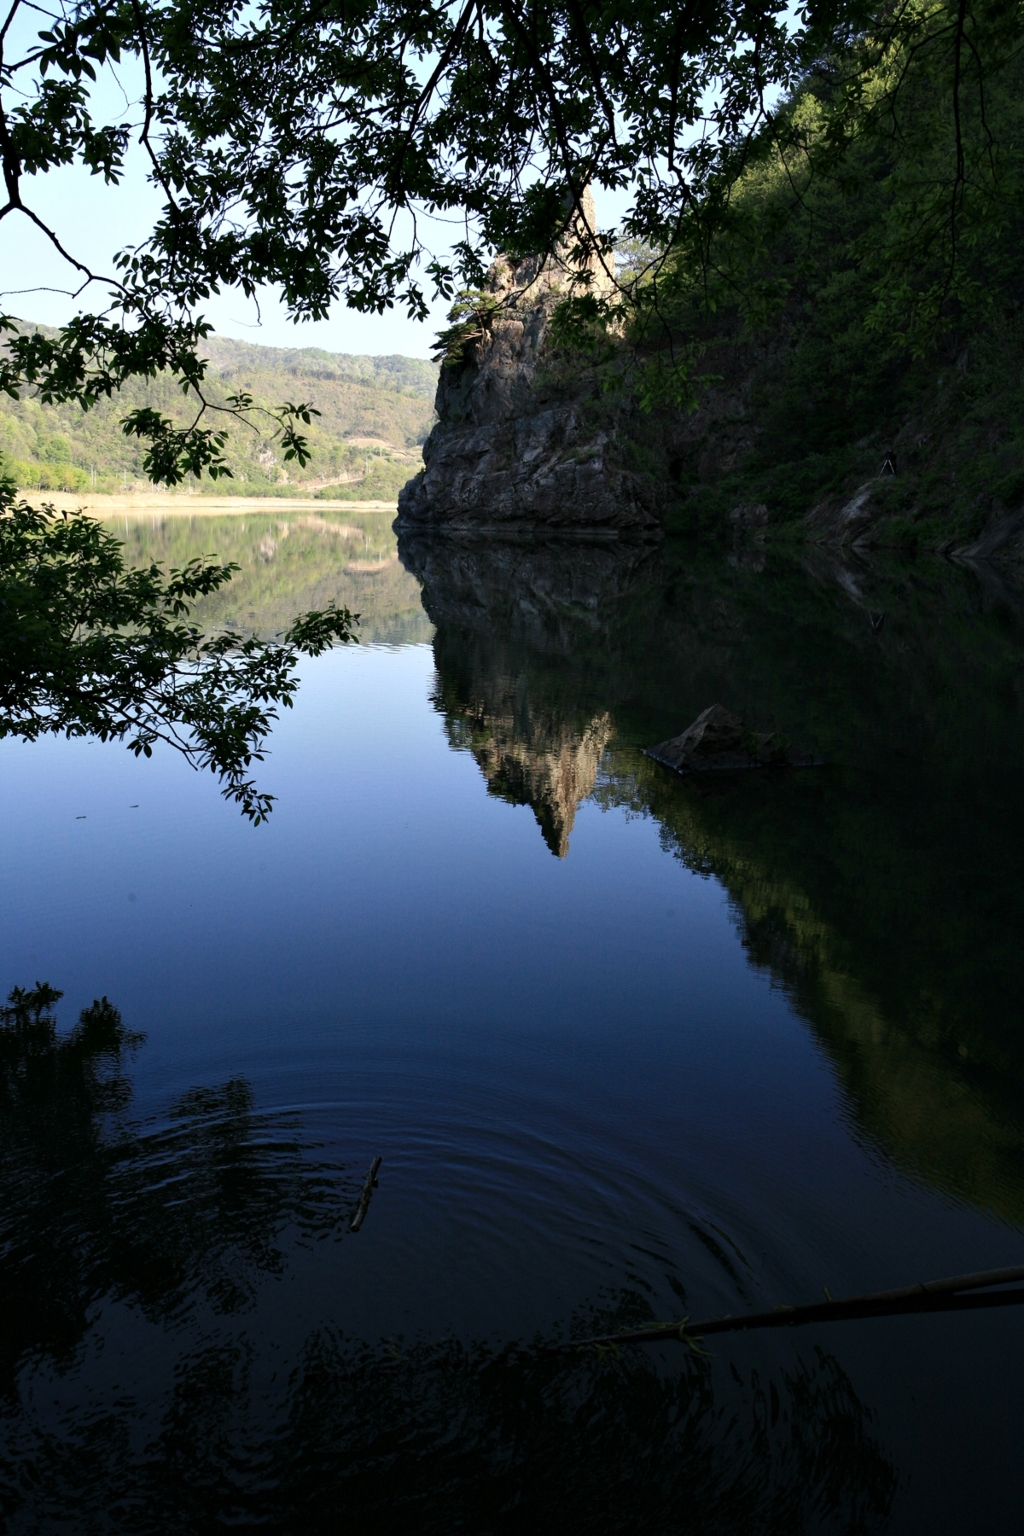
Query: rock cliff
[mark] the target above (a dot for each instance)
(520, 443)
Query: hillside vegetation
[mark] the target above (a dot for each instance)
(848, 317)
(375, 412)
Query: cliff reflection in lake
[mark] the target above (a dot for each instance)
(885, 892)
(595, 1107)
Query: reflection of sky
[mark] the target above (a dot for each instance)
(568, 1065)
(391, 899)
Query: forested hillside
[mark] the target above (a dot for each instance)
(849, 313)
(374, 414)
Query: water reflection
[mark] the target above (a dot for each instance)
(504, 612)
(162, 1216)
(442, 1438)
(528, 753)
(563, 1125)
(185, 1226)
(886, 892)
(289, 563)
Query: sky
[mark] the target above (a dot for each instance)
(93, 221)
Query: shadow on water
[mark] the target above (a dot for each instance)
(163, 1217)
(885, 892)
(182, 1224)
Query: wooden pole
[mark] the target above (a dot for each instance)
(926, 1296)
(364, 1198)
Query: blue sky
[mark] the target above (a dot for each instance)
(94, 221)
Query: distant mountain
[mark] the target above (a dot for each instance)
(375, 412)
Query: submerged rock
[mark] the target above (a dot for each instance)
(717, 740)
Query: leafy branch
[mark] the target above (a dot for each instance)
(91, 648)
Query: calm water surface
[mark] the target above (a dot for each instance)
(629, 1050)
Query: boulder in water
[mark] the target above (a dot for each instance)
(717, 740)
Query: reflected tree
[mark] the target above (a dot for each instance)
(98, 1206)
(89, 647)
(180, 1221)
(443, 1437)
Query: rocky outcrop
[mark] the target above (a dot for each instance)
(1004, 536)
(718, 741)
(520, 443)
(845, 519)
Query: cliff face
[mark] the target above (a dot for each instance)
(518, 445)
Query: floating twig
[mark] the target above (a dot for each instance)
(364, 1198)
(927, 1296)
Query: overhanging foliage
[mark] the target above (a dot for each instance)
(90, 648)
(299, 146)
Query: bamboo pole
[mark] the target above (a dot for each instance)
(926, 1296)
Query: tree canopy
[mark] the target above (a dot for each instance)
(308, 147)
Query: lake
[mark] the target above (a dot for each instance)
(630, 1048)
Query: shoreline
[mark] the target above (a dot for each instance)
(167, 504)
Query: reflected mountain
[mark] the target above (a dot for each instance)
(500, 610)
(529, 754)
(885, 891)
(161, 1216)
(290, 562)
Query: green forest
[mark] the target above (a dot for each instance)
(374, 414)
(287, 563)
(845, 311)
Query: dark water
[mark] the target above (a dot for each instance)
(629, 1050)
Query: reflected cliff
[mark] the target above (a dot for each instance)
(289, 562)
(529, 753)
(503, 612)
(885, 892)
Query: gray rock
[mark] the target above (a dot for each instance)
(518, 446)
(845, 522)
(718, 741)
(992, 541)
(752, 515)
